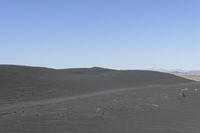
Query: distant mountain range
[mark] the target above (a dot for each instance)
(189, 74)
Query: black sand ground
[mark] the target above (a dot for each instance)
(100, 101)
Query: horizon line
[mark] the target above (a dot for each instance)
(150, 69)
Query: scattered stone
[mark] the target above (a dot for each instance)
(185, 89)
(155, 105)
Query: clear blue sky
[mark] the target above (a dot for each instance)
(122, 34)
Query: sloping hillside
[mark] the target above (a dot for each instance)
(19, 83)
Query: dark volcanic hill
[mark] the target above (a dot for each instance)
(96, 100)
(19, 83)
